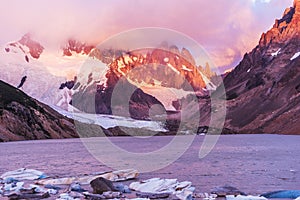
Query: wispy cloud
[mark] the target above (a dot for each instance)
(227, 29)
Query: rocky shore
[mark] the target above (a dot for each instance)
(254, 164)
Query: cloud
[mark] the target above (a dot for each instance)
(261, 1)
(227, 29)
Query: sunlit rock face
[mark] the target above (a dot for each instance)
(263, 90)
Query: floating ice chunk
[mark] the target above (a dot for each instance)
(154, 185)
(13, 186)
(206, 196)
(283, 194)
(295, 55)
(182, 190)
(24, 174)
(65, 196)
(242, 197)
(36, 188)
(52, 191)
(119, 175)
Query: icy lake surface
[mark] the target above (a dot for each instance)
(253, 163)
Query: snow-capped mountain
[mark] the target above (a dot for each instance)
(27, 46)
(45, 70)
(147, 77)
(28, 58)
(90, 75)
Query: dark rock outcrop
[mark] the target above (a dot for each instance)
(68, 84)
(24, 118)
(101, 185)
(118, 98)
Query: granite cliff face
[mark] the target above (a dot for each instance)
(76, 47)
(263, 91)
(24, 118)
(135, 72)
(284, 29)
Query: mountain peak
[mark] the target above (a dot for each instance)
(35, 48)
(265, 84)
(284, 29)
(76, 47)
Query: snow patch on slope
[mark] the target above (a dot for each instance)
(40, 83)
(92, 71)
(173, 68)
(44, 75)
(208, 83)
(276, 53)
(186, 69)
(110, 121)
(295, 56)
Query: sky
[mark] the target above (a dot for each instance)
(227, 29)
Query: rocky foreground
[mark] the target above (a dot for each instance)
(253, 163)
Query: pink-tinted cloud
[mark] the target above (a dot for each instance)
(226, 28)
